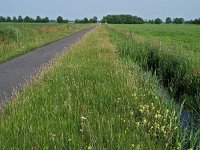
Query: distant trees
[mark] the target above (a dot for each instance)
(168, 20)
(86, 20)
(14, 19)
(46, 20)
(8, 19)
(61, 20)
(158, 21)
(2, 19)
(27, 19)
(122, 19)
(178, 21)
(38, 19)
(20, 19)
(196, 21)
(113, 19)
(93, 20)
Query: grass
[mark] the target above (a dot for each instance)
(176, 68)
(174, 36)
(18, 38)
(91, 99)
(171, 66)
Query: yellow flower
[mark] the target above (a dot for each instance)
(137, 124)
(89, 147)
(138, 147)
(144, 121)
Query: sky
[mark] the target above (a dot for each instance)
(73, 9)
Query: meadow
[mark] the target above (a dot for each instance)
(174, 36)
(170, 52)
(19, 38)
(94, 98)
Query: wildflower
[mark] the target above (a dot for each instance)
(134, 94)
(138, 147)
(144, 121)
(163, 128)
(83, 118)
(131, 113)
(137, 124)
(89, 147)
(141, 110)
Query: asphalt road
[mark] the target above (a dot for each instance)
(15, 73)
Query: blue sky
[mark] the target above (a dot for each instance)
(72, 9)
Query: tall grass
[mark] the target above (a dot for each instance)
(17, 39)
(90, 99)
(174, 69)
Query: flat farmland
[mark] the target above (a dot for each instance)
(176, 36)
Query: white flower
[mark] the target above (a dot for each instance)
(83, 118)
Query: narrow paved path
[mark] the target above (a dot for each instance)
(16, 72)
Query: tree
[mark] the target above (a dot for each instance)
(196, 21)
(178, 20)
(60, 19)
(8, 19)
(27, 19)
(168, 20)
(45, 20)
(14, 19)
(151, 21)
(158, 21)
(20, 19)
(77, 21)
(95, 19)
(85, 20)
(38, 19)
(66, 21)
(2, 19)
(122, 19)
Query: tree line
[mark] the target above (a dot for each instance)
(112, 19)
(28, 19)
(169, 20)
(38, 19)
(122, 19)
(86, 20)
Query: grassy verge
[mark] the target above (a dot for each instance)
(174, 69)
(17, 39)
(89, 99)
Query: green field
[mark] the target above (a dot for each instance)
(174, 36)
(172, 52)
(19, 38)
(102, 95)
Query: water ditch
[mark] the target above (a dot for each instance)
(188, 121)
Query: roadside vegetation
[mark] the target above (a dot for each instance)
(19, 38)
(175, 64)
(92, 98)
(170, 54)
